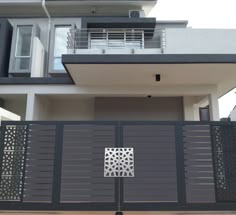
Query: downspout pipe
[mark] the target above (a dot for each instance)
(48, 34)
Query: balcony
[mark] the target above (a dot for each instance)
(116, 41)
(106, 57)
(179, 165)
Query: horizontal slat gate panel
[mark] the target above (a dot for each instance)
(199, 177)
(83, 164)
(154, 163)
(40, 163)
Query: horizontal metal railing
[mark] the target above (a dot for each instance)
(115, 39)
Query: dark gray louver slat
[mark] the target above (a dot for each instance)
(198, 164)
(154, 163)
(40, 163)
(83, 161)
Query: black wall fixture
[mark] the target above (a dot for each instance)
(5, 44)
(158, 77)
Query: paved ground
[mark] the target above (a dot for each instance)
(112, 213)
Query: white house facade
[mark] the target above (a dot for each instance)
(80, 77)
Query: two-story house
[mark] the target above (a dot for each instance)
(78, 78)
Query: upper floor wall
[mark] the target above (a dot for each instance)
(63, 8)
(5, 46)
(37, 47)
(200, 41)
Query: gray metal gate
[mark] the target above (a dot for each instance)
(60, 166)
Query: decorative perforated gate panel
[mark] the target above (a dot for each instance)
(12, 162)
(119, 162)
(224, 148)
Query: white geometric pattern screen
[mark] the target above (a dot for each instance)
(119, 162)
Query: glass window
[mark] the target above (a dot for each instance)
(23, 47)
(60, 45)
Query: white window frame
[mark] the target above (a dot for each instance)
(17, 40)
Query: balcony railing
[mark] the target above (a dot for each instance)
(115, 41)
(60, 165)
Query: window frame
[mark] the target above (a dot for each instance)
(55, 24)
(16, 57)
(35, 32)
(55, 56)
(17, 40)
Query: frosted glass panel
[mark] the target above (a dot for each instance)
(24, 36)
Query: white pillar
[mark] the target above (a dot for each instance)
(196, 112)
(214, 107)
(30, 107)
(191, 110)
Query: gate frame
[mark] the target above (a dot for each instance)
(181, 205)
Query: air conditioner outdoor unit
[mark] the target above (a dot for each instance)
(136, 13)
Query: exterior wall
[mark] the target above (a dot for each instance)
(200, 41)
(169, 37)
(191, 109)
(16, 105)
(171, 24)
(110, 108)
(5, 44)
(139, 108)
(41, 105)
(7, 115)
(71, 109)
(33, 8)
(47, 37)
(82, 108)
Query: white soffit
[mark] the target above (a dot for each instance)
(144, 74)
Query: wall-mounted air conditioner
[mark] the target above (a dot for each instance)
(136, 14)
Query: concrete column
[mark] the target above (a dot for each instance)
(30, 106)
(191, 109)
(214, 107)
(196, 112)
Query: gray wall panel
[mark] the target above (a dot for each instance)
(5, 44)
(170, 108)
